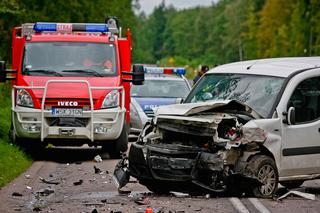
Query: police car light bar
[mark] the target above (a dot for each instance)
(165, 70)
(69, 27)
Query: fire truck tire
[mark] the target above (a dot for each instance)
(14, 139)
(116, 147)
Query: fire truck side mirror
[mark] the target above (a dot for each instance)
(3, 74)
(6, 74)
(138, 74)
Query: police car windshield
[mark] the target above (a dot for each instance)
(161, 88)
(69, 59)
(258, 92)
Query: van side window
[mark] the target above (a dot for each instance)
(306, 100)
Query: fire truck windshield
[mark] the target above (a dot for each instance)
(69, 59)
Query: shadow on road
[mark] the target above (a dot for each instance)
(63, 154)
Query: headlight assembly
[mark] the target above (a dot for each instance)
(111, 100)
(24, 99)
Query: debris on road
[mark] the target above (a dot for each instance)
(142, 201)
(78, 182)
(98, 159)
(36, 209)
(300, 194)
(106, 201)
(97, 170)
(45, 192)
(16, 194)
(179, 194)
(49, 181)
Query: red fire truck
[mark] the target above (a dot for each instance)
(71, 84)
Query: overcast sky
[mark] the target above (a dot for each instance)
(148, 5)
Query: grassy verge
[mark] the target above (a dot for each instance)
(13, 161)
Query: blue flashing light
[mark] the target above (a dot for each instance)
(45, 26)
(102, 28)
(69, 27)
(165, 70)
(179, 71)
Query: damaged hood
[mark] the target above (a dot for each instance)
(194, 108)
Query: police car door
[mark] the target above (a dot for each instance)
(300, 154)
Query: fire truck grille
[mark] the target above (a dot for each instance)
(53, 102)
(70, 122)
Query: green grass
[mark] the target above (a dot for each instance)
(13, 161)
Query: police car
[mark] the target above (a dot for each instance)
(162, 86)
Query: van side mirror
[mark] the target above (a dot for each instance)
(138, 74)
(290, 116)
(4, 73)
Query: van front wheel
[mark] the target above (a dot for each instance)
(266, 171)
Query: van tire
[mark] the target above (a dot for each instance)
(118, 146)
(291, 184)
(264, 168)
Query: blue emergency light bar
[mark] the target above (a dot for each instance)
(69, 27)
(165, 70)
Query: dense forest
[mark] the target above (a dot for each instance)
(229, 30)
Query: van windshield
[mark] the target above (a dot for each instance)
(69, 59)
(258, 92)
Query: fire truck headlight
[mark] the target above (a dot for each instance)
(111, 100)
(24, 98)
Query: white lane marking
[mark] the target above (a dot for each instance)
(238, 205)
(259, 206)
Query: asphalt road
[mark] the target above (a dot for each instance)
(70, 184)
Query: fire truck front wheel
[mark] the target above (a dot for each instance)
(116, 147)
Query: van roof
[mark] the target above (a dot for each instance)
(279, 67)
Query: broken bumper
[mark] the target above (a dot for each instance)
(167, 163)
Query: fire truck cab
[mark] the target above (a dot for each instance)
(71, 84)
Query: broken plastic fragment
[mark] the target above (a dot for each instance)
(98, 159)
(179, 194)
(45, 192)
(96, 170)
(49, 181)
(301, 194)
(78, 183)
(16, 194)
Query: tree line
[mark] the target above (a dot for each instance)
(226, 31)
(230, 30)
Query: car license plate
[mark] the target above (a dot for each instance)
(67, 112)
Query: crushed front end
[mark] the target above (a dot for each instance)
(203, 147)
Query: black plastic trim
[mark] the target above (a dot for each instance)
(301, 151)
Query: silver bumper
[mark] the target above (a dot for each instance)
(104, 124)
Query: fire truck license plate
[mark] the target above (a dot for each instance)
(67, 112)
